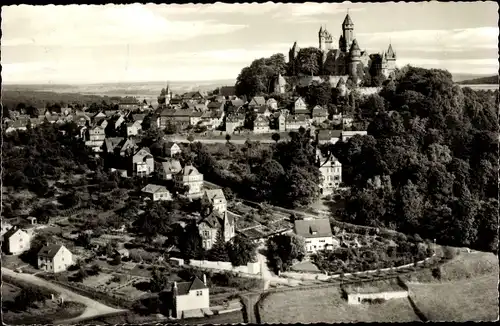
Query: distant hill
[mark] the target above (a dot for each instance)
(491, 80)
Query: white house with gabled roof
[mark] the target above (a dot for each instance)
(156, 192)
(54, 258)
(16, 241)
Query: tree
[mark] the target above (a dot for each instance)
(219, 251)
(276, 137)
(190, 138)
(242, 251)
(228, 138)
(29, 296)
(309, 60)
(158, 280)
(190, 244)
(283, 249)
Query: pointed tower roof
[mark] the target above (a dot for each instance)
(390, 52)
(321, 29)
(347, 21)
(354, 45)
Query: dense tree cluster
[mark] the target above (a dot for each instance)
(258, 78)
(284, 174)
(33, 156)
(283, 250)
(429, 163)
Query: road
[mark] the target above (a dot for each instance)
(94, 308)
(222, 141)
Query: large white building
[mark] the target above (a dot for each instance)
(331, 172)
(317, 234)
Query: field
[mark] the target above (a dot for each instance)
(468, 291)
(326, 305)
(473, 300)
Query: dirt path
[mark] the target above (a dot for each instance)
(93, 309)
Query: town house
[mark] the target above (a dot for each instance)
(172, 149)
(142, 163)
(210, 226)
(319, 114)
(293, 123)
(299, 105)
(256, 102)
(331, 172)
(16, 241)
(317, 234)
(166, 170)
(190, 298)
(261, 125)
(328, 136)
(54, 258)
(348, 134)
(263, 111)
(156, 192)
(189, 176)
(217, 199)
(234, 121)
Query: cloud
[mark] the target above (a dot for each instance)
(100, 25)
(216, 8)
(435, 40)
(309, 12)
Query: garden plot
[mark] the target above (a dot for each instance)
(97, 281)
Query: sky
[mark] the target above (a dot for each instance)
(78, 44)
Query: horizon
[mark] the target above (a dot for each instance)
(137, 45)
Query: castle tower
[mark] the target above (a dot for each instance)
(347, 36)
(325, 39)
(292, 55)
(391, 59)
(168, 94)
(279, 84)
(354, 58)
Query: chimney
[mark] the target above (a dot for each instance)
(205, 279)
(174, 288)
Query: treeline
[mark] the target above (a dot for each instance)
(491, 80)
(284, 174)
(429, 164)
(13, 99)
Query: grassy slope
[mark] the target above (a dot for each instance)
(326, 305)
(469, 290)
(472, 300)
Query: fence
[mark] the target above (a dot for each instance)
(323, 277)
(104, 297)
(250, 268)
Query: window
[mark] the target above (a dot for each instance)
(205, 233)
(321, 240)
(199, 293)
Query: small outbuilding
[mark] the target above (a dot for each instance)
(369, 292)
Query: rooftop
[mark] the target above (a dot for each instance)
(314, 228)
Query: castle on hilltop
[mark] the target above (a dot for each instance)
(348, 59)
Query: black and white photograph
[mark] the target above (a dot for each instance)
(256, 163)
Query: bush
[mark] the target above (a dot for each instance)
(449, 253)
(378, 301)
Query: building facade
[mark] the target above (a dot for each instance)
(54, 258)
(348, 59)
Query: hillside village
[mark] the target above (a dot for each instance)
(340, 173)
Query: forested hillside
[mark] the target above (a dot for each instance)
(429, 164)
(492, 80)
